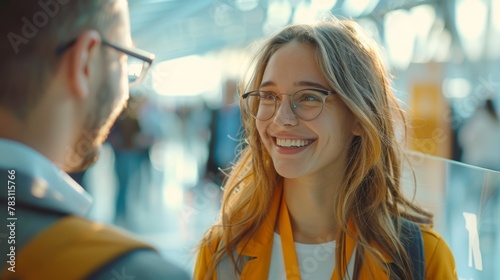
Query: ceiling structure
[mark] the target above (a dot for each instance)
(176, 28)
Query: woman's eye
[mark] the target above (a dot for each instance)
(309, 97)
(266, 95)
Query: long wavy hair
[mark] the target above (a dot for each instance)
(370, 196)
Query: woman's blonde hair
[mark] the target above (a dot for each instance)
(370, 195)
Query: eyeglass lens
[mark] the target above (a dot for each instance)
(306, 104)
(136, 70)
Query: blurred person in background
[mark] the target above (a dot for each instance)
(131, 146)
(316, 193)
(195, 136)
(479, 137)
(63, 83)
(225, 131)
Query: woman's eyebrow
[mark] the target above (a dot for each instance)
(267, 83)
(297, 84)
(310, 84)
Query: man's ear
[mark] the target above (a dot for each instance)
(80, 62)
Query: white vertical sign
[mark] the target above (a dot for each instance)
(474, 249)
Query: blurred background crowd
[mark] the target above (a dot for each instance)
(162, 166)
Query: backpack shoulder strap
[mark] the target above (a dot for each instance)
(411, 238)
(74, 247)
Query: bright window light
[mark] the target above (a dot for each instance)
(278, 15)
(425, 15)
(443, 47)
(325, 5)
(311, 11)
(358, 7)
(471, 25)
(186, 76)
(495, 8)
(456, 88)
(247, 5)
(400, 37)
(304, 13)
(471, 18)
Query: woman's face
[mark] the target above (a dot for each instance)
(304, 148)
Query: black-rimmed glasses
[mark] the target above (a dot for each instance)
(306, 104)
(138, 61)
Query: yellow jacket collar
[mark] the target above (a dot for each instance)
(259, 246)
(262, 239)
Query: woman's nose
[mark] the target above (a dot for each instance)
(285, 114)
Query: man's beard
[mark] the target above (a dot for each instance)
(96, 129)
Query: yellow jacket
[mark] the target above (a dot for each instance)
(439, 261)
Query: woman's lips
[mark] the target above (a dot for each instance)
(292, 143)
(292, 146)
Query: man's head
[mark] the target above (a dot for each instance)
(56, 73)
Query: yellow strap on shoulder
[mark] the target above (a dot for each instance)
(74, 248)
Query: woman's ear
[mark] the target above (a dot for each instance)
(357, 130)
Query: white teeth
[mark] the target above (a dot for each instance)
(296, 143)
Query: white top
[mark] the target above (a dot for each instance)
(51, 188)
(316, 261)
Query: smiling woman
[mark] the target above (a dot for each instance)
(316, 193)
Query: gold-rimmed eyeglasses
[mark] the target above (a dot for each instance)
(306, 104)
